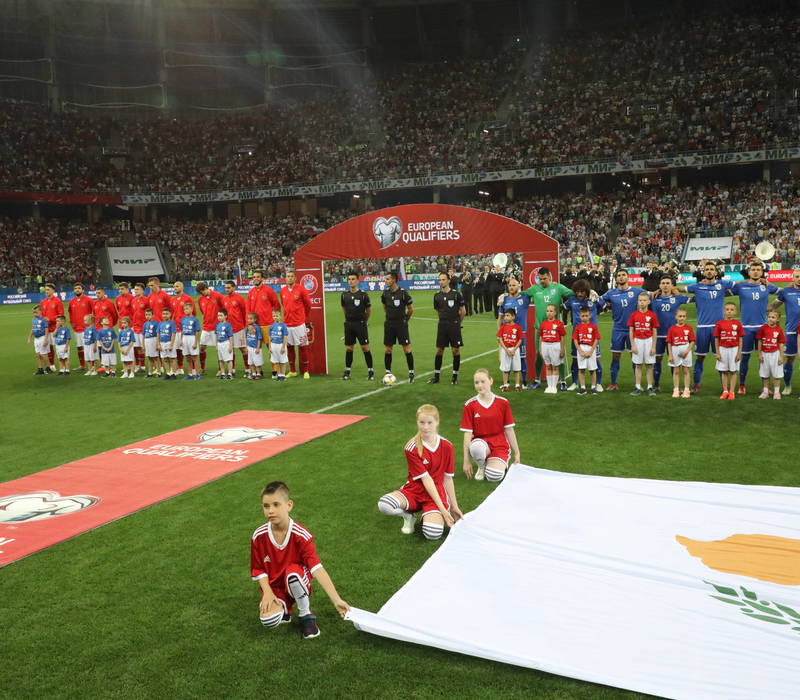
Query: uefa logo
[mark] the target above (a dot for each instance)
(41, 505)
(387, 231)
(310, 283)
(231, 436)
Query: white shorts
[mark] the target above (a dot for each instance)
(590, 362)
(189, 347)
(78, 336)
(551, 353)
(254, 357)
(138, 340)
(225, 351)
(298, 335)
(62, 351)
(208, 338)
(108, 359)
(277, 354)
(239, 339)
(126, 353)
(150, 347)
(41, 346)
(168, 353)
(769, 366)
(90, 352)
(676, 361)
(728, 363)
(510, 363)
(640, 351)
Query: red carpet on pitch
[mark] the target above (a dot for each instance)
(48, 507)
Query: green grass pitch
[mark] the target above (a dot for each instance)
(160, 604)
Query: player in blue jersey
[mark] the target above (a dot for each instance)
(520, 303)
(106, 338)
(574, 304)
(664, 303)
(150, 337)
(622, 300)
(126, 339)
(167, 330)
(61, 337)
(790, 296)
(278, 352)
(190, 340)
(709, 296)
(223, 332)
(753, 296)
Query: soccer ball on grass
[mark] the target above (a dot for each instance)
(388, 379)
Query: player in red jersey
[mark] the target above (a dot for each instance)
(236, 307)
(488, 428)
(643, 330)
(51, 307)
(158, 299)
(771, 348)
(585, 336)
(103, 307)
(139, 305)
(262, 300)
(296, 308)
(729, 332)
(210, 303)
(176, 303)
(551, 346)
(429, 489)
(124, 301)
(78, 308)
(283, 560)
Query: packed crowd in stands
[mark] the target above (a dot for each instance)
(609, 95)
(630, 228)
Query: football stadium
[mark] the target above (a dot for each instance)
(400, 349)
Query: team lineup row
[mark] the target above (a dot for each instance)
(283, 557)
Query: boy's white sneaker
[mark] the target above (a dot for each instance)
(787, 390)
(764, 394)
(408, 524)
(777, 395)
(572, 387)
(479, 473)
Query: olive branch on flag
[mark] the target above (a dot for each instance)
(764, 610)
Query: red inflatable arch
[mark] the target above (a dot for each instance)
(415, 230)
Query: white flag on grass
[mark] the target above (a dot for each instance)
(685, 590)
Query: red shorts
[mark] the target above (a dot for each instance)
(423, 503)
(282, 593)
(498, 446)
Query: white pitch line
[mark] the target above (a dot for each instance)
(404, 381)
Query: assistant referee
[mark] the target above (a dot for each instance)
(449, 304)
(357, 310)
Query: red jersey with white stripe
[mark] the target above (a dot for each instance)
(104, 308)
(680, 335)
(728, 331)
(158, 301)
(771, 337)
(263, 301)
(124, 304)
(486, 420)
(510, 334)
(271, 559)
(552, 331)
(139, 306)
(236, 307)
(210, 305)
(176, 304)
(296, 305)
(51, 307)
(643, 323)
(78, 308)
(436, 461)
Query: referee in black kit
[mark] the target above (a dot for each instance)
(357, 309)
(450, 306)
(399, 307)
